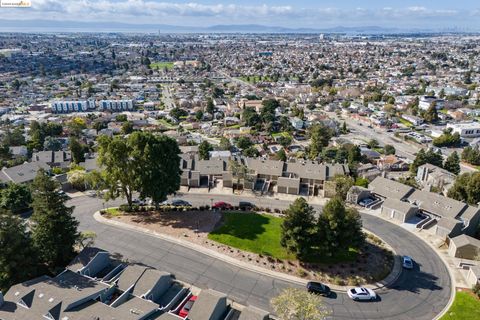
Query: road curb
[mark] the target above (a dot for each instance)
(391, 278)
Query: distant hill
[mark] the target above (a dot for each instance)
(81, 26)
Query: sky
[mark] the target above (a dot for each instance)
(425, 14)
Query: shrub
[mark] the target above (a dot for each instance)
(476, 289)
(267, 209)
(301, 273)
(125, 208)
(338, 281)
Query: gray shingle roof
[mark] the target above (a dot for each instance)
(389, 188)
(437, 204)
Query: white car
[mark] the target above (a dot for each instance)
(361, 293)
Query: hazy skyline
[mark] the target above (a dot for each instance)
(427, 14)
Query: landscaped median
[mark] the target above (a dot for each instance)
(254, 239)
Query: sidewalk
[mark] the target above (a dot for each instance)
(392, 277)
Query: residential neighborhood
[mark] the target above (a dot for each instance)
(238, 172)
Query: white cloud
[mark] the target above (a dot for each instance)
(194, 13)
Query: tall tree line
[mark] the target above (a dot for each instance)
(47, 246)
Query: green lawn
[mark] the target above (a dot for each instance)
(161, 65)
(258, 233)
(405, 122)
(280, 134)
(112, 212)
(166, 124)
(465, 307)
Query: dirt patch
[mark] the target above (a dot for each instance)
(373, 263)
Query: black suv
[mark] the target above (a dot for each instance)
(246, 206)
(318, 288)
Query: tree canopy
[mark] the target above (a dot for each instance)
(142, 162)
(18, 261)
(15, 197)
(466, 188)
(320, 136)
(203, 150)
(54, 229)
(299, 304)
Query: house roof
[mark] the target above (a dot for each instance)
(464, 240)
(252, 313)
(49, 295)
(389, 188)
(265, 167)
(307, 170)
(210, 167)
(24, 172)
(437, 204)
(288, 182)
(207, 302)
(398, 205)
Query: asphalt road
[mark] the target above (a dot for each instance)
(421, 293)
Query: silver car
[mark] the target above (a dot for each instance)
(407, 262)
(361, 293)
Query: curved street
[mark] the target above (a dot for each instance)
(421, 293)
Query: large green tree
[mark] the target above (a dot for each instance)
(431, 115)
(452, 163)
(18, 261)
(320, 136)
(466, 188)
(204, 149)
(343, 183)
(15, 197)
(338, 228)
(142, 162)
(54, 229)
(78, 150)
(298, 228)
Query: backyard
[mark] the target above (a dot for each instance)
(465, 307)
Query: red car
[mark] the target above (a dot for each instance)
(187, 306)
(222, 205)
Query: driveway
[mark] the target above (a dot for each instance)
(421, 293)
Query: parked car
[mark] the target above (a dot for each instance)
(138, 202)
(407, 262)
(222, 205)
(365, 202)
(187, 306)
(245, 205)
(361, 293)
(318, 288)
(180, 203)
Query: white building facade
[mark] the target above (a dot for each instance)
(115, 105)
(465, 129)
(72, 106)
